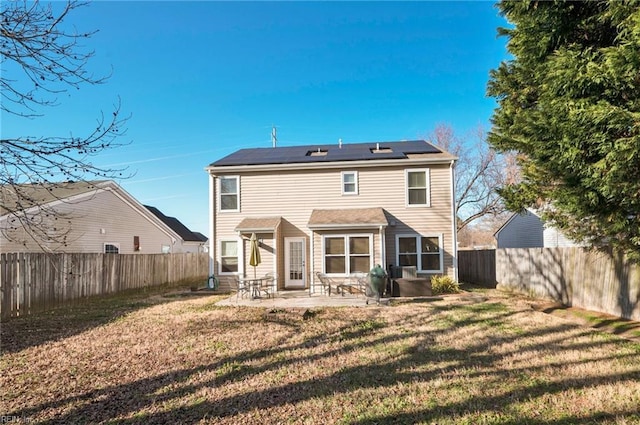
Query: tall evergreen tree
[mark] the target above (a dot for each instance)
(569, 106)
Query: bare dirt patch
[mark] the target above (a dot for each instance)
(482, 358)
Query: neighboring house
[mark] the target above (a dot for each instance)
(527, 230)
(191, 241)
(204, 242)
(99, 216)
(336, 209)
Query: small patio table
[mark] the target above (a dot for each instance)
(255, 285)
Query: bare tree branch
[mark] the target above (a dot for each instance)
(42, 57)
(479, 172)
(47, 57)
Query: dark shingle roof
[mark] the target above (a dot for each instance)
(200, 236)
(334, 152)
(175, 225)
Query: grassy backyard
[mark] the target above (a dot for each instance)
(476, 359)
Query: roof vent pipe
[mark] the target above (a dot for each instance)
(340, 143)
(377, 146)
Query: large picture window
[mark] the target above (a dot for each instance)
(345, 254)
(422, 252)
(417, 182)
(228, 256)
(230, 193)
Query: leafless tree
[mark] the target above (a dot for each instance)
(43, 57)
(479, 172)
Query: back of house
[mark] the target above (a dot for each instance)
(336, 209)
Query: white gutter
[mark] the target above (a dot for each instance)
(373, 163)
(346, 226)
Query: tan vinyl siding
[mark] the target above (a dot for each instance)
(266, 247)
(294, 194)
(120, 220)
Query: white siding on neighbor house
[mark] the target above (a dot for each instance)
(193, 247)
(553, 238)
(294, 194)
(102, 218)
(521, 231)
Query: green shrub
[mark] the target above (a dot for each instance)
(444, 285)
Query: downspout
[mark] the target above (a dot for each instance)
(383, 253)
(212, 227)
(241, 256)
(276, 259)
(312, 283)
(454, 226)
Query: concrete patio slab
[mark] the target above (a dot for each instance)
(301, 299)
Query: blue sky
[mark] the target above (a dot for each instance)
(203, 79)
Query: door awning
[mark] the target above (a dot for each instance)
(258, 225)
(349, 218)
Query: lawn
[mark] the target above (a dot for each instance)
(483, 359)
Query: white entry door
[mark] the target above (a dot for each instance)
(294, 263)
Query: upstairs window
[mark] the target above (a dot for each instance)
(349, 182)
(417, 188)
(230, 193)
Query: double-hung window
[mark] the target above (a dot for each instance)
(422, 252)
(345, 254)
(229, 193)
(349, 182)
(228, 256)
(417, 186)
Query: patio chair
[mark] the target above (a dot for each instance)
(266, 284)
(360, 281)
(355, 283)
(328, 283)
(242, 287)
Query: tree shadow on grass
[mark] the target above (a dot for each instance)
(418, 361)
(20, 333)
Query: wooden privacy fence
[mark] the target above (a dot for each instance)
(603, 281)
(477, 266)
(31, 282)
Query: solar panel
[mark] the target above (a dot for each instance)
(345, 152)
